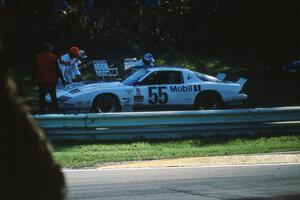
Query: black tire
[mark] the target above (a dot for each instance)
(105, 104)
(208, 101)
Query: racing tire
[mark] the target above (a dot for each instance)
(105, 104)
(208, 101)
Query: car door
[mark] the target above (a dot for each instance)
(157, 91)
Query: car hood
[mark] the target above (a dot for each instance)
(86, 85)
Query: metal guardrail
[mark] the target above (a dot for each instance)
(173, 124)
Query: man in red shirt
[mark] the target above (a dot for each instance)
(47, 74)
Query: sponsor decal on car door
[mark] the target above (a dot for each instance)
(151, 97)
(161, 90)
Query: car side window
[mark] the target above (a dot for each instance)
(163, 77)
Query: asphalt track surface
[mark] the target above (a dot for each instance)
(278, 181)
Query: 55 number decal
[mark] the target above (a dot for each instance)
(157, 95)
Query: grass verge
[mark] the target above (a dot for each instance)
(82, 155)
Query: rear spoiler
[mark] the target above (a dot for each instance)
(225, 77)
(241, 81)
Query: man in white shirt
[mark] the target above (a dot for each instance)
(76, 74)
(67, 62)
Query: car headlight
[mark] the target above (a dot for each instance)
(63, 98)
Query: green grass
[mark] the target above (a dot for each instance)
(80, 155)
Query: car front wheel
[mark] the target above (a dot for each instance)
(105, 104)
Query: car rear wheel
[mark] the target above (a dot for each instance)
(105, 104)
(208, 101)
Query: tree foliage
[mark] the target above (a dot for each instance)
(264, 31)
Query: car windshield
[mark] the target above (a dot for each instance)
(133, 78)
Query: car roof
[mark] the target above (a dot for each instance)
(167, 68)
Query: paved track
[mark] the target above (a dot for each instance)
(231, 182)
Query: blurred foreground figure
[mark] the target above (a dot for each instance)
(28, 170)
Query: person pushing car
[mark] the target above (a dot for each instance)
(68, 62)
(79, 63)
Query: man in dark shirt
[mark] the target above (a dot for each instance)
(47, 74)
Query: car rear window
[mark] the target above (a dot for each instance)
(204, 77)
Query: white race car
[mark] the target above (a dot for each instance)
(155, 88)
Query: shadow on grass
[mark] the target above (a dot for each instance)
(295, 196)
(197, 142)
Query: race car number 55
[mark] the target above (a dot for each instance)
(157, 95)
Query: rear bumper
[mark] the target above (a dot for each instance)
(236, 100)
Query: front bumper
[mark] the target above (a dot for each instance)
(67, 107)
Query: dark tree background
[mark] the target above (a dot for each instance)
(257, 35)
(250, 31)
